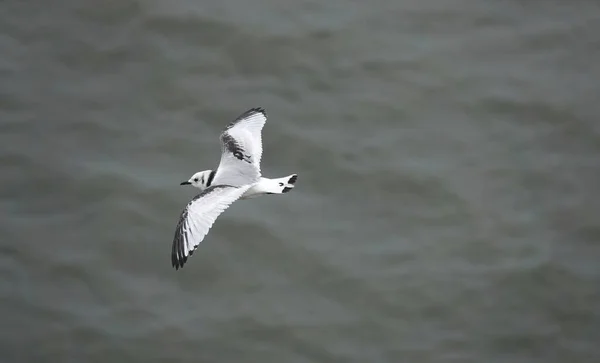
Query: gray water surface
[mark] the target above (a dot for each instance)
(446, 208)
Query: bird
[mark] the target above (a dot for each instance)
(237, 177)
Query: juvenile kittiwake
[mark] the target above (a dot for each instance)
(238, 176)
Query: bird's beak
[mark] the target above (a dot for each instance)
(185, 183)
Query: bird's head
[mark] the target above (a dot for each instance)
(201, 180)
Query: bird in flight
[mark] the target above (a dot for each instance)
(238, 176)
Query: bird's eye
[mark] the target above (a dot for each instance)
(195, 179)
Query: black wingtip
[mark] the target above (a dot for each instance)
(247, 114)
(177, 261)
(252, 111)
(258, 109)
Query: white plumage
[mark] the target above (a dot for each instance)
(241, 149)
(238, 176)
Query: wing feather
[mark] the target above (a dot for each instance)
(241, 150)
(198, 217)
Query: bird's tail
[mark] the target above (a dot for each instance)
(283, 185)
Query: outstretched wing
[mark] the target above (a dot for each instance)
(241, 150)
(198, 217)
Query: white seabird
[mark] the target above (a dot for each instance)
(238, 176)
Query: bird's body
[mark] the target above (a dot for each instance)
(238, 176)
(202, 180)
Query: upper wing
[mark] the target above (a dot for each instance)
(198, 217)
(241, 150)
(249, 126)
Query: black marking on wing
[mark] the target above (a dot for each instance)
(247, 114)
(178, 257)
(211, 176)
(234, 147)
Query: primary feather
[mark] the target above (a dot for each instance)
(198, 217)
